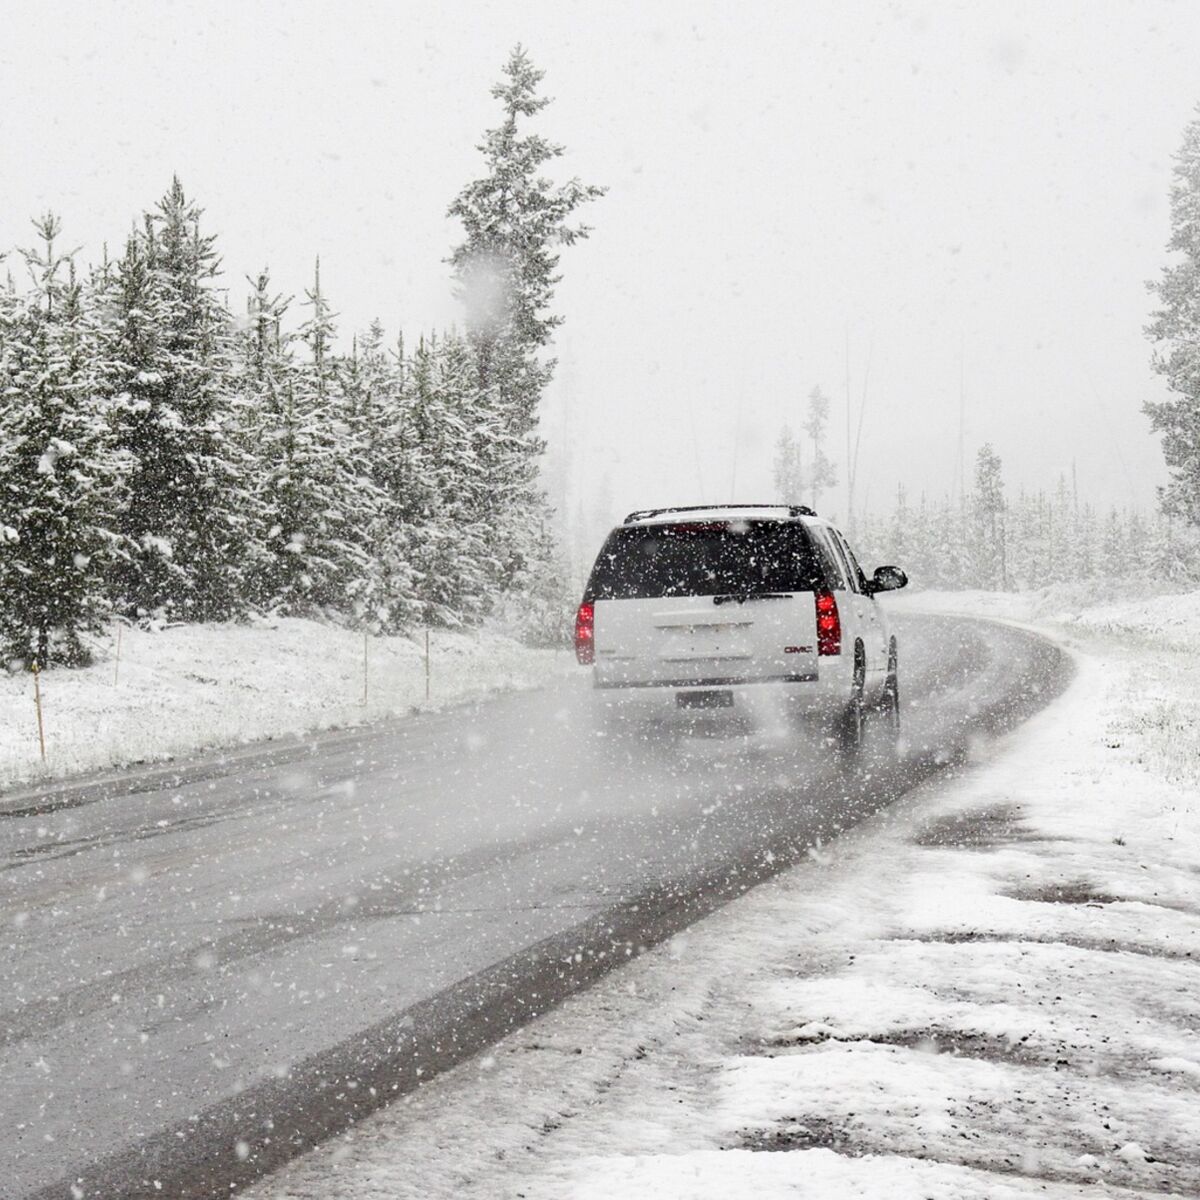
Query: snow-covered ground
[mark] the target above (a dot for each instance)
(990, 990)
(186, 689)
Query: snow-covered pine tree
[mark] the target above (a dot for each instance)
(366, 377)
(265, 382)
(1167, 550)
(58, 471)
(444, 501)
(956, 548)
(1084, 544)
(988, 535)
(186, 515)
(1175, 331)
(1136, 546)
(899, 540)
(1034, 555)
(787, 472)
(314, 492)
(133, 316)
(822, 475)
(918, 559)
(515, 221)
(370, 385)
(1112, 559)
(1062, 534)
(377, 385)
(467, 430)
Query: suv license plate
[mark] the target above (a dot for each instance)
(704, 699)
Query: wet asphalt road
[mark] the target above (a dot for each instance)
(206, 972)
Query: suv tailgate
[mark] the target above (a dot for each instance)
(692, 604)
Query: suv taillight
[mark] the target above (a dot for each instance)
(585, 634)
(829, 625)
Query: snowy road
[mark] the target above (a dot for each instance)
(201, 980)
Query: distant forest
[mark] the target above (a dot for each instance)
(983, 539)
(987, 541)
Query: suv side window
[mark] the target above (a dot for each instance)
(833, 564)
(856, 572)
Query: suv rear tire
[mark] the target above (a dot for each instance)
(889, 704)
(851, 725)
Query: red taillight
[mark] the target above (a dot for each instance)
(585, 634)
(829, 625)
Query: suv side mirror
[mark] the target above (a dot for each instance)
(888, 579)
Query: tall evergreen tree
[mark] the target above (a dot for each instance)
(449, 494)
(1175, 331)
(787, 471)
(58, 471)
(1136, 546)
(185, 519)
(314, 493)
(822, 476)
(988, 521)
(1112, 545)
(515, 221)
(267, 384)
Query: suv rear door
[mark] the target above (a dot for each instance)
(872, 628)
(705, 603)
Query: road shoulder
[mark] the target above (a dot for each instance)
(195, 701)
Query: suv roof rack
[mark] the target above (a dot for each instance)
(793, 510)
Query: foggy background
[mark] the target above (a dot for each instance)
(968, 197)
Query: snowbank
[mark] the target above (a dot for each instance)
(1062, 604)
(988, 991)
(189, 688)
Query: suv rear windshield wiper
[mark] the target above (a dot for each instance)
(742, 597)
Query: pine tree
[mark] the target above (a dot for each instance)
(1170, 555)
(1175, 331)
(989, 550)
(1136, 547)
(267, 380)
(899, 537)
(446, 503)
(917, 559)
(185, 519)
(378, 394)
(1084, 544)
(1062, 534)
(788, 474)
(515, 221)
(58, 471)
(823, 475)
(1112, 556)
(314, 492)
(1034, 552)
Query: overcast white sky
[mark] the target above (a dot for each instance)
(984, 182)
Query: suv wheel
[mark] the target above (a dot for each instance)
(851, 726)
(890, 702)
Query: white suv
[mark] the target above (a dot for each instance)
(726, 607)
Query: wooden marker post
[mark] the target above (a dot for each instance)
(37, 700)
(117, 658)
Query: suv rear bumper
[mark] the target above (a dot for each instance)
(682, 684)
(822, 694)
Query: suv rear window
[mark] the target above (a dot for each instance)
(644, 562)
